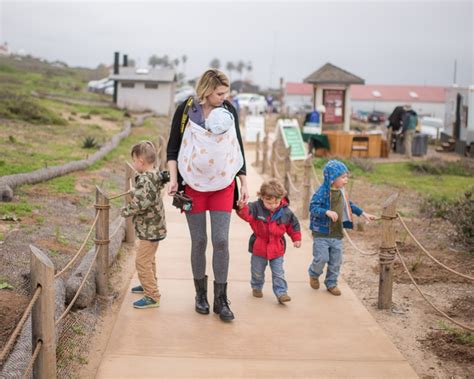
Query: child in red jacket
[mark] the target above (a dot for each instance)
(270, 218)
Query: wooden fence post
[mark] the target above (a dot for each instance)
(306, 186)
(265, 154)
(129, 180)
(287, 170)
(387, 252)
(274, 159)
(257, 150)
(163, 155)
(42, 314)
(102, 242)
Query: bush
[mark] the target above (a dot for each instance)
(462, 217)
(436, 166)
(89, 143)
(23, 107)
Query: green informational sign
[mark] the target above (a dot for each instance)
(291, 134)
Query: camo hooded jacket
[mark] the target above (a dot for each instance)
(146, 207)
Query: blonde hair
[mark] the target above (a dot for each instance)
(272, 188)
(146, 150)
(208, 82)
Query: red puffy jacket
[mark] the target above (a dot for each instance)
(268, 239)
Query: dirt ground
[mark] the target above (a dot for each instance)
(414, 327)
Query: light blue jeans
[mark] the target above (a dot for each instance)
(326, 250)
(258, 266)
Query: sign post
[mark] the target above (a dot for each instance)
(291, 134)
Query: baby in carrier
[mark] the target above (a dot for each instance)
(219, 121)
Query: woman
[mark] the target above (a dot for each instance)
(205, 165)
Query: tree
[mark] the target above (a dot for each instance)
(184, 59)
(154, 61)
(230, 67)
(215, 63)
(175, 62)
(240, 68)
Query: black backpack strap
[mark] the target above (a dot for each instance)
(184, 118)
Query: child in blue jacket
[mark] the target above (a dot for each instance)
(330, 212)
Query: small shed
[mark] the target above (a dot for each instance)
(331, 88)
(145, 89)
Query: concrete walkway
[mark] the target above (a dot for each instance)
(315, 335)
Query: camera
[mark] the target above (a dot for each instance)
(182, 201)
(164, 176)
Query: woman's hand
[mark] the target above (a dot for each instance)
(244, 191)
(172, 187)
(244, 194)
(297, 244)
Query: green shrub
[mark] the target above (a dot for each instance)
(23, 107)
(462, 217)
(437, 166)
(89, 143)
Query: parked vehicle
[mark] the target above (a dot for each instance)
(376, 117)
(253, 102)
(100, 85)
(360, 115)
(183, 93)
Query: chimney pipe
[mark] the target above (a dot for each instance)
(116, 62)
(116, 72)
(125, 60)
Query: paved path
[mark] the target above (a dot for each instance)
(315, 335)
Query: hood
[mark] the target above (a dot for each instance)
(332, 171)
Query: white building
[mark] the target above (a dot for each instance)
(146, 89)
(459, 118)
(4, 50)
(425, 100)
(298, 97)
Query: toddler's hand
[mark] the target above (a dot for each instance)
(369, 217)
(332, 215)
(297, 244)
(241, 204)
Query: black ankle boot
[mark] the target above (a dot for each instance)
(202, 306)
(221, 303)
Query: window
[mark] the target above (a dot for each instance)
(127, 85)
(151, 85)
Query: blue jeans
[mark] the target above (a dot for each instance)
(258, 266)
(326, 250)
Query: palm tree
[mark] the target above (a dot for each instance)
(215, 63)
(240, 68)
(230, 67)
(154, 61)
(184, 59)
(175, 62)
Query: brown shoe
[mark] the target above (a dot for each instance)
(314, 282)
(257, 293)
(335, 291)
(284, 298)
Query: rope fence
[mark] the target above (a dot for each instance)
(387, 253)
(71, 304)
(11, 341)
(73, 260)
(36, 352)
(429, 254)
(43, 358)
(466, 327)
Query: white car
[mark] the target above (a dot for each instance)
(255, 103)
(183, 93)
(100, 85)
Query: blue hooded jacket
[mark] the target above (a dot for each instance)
(321, 200)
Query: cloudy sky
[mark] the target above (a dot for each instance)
(384, 42)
